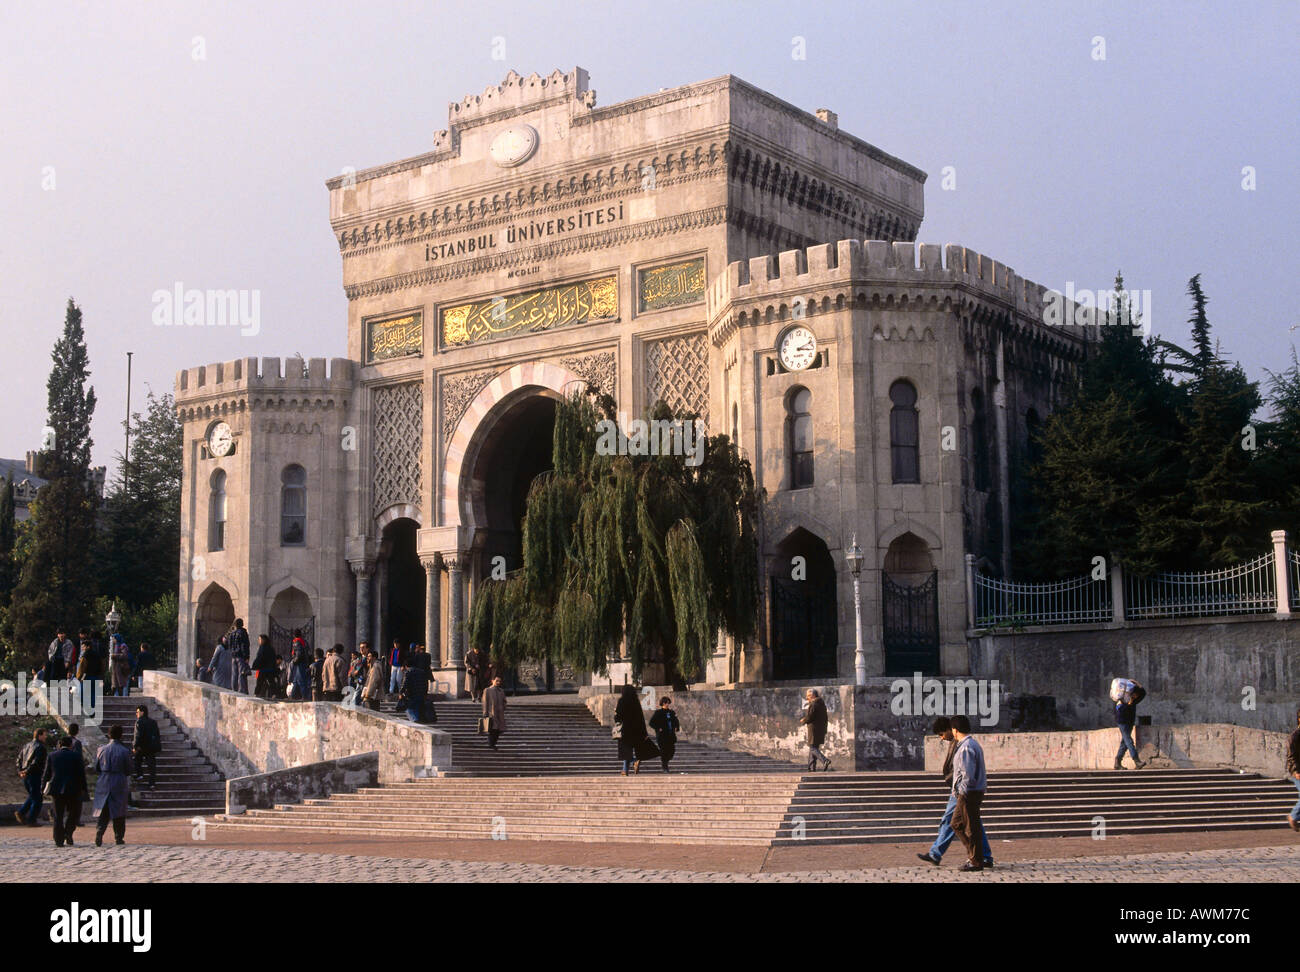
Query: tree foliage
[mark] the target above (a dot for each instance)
(642, 550)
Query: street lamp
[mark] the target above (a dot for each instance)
(111, 620)
(854, 558)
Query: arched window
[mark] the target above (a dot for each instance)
(293, 506)
(979, 439)
(904, 433)
(217, 512)
(799, 422)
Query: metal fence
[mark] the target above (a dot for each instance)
(1249, 588)
(1293, 561)
(1080, 600)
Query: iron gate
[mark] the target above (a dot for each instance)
(804, 630)
(911, 625)
(282, 637)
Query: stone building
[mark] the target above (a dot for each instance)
(703, 246)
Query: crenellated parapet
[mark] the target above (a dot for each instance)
(853, 273)
(250, 384)
(517, 92)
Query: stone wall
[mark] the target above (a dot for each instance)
(244, 735)
(310, 782)
(1195, 672)
(1251, 750)
(862, 732)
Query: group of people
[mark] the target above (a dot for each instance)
(61, 775)
(88, 662)
(633, 737)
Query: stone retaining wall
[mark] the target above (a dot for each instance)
(244, 735)
(1203, 745)
(311, 782)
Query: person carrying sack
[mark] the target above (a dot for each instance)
(1126, 694)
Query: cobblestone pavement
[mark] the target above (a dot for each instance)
(38, 861)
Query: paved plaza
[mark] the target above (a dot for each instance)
(33, 858)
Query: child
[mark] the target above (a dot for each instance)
(666, 726)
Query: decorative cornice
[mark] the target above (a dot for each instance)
(684, 222)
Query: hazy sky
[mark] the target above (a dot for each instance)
(130, 165)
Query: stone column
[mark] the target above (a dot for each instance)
(1280, 564)
(454, 671)
(380, 606)
(363, 570)
(433, 608)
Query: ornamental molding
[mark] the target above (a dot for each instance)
(599, 369)
(650, 229)
(457, 391)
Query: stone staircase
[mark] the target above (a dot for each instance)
(905, 807)
(187, 782)
(555, 736)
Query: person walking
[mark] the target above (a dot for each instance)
(1126, 717)
(31, 768)
(474, 673)
(357, 671)
(666, 726)
(144, 662)
(146, 745)
(59, 648)
(397, 656)
(414, 689)
(969, 781)
(1293, 770)
(90, 673)
(815, 719)
(300, 659)
(113, 788)
(240, 653)
(317, 669)
(373, 692)
(334, 675)
(73, 730)
(629, 729)
(65, 780)
(943, 729)
(494, 711)
(120, 663)
(220, 666)
(264, 664)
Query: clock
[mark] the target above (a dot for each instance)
(797, 348)
(220, 440)
(514, 146)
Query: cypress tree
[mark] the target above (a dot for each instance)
(56, 585)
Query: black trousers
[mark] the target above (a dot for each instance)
(667, 746)
(493, 736)
(67, 816)
(968, 826)
(119, 826)
(152, 760)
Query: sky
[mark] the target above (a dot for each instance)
(148, 144)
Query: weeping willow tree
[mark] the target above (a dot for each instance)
(646, 550)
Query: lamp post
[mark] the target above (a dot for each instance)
(854, 558)
(111, 620)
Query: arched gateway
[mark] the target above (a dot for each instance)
(721, 268)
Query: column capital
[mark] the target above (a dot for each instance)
(362, 568)
(455, 559)
(432, 563)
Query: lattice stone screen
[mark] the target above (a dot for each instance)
(398, 433)
(677, 371)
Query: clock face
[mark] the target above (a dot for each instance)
(220, 439)
(514, 146)
(797, 348)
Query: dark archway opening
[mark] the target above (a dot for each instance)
(404, 617)
(805, 627)
(214, 617)
(910, 608)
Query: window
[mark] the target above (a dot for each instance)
(979, 439)
(293, 506)
(801, 438)
(904, 433)
(217, 512)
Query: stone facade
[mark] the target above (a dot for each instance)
(658, 248)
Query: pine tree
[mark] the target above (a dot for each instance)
(56, 585)
(1277, 462)
(615, 553)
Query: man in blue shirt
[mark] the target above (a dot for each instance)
(1125, 717)
(943, 729)
(969, 781)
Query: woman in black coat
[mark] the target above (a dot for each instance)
(268, 672)
(629, 716)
